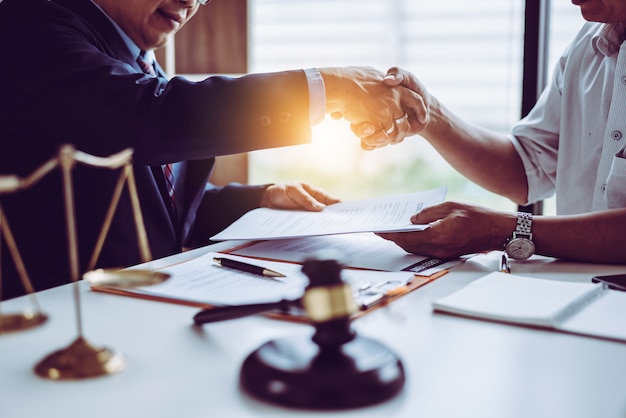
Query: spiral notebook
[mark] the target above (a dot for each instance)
(589, 309)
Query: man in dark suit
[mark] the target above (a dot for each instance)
(70, 74)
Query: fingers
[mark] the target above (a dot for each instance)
(454, 229)
(358, 95)
(422, 218)
(298, 197)
(432, 214)
(417, 107)
(382, 108)
(415, 242)
(394, 77)
(336, 115)
(402, 126)
(399, 128)
(294, 195)
(398, 77)
(432, 241)
(415, 99)
(318, 194)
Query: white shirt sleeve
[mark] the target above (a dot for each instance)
(317, 95)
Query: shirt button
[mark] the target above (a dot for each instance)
(617, 135)
(265, 120)
(624, 79)
(603, 188)
(284, 117)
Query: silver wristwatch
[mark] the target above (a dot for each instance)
(521, 246)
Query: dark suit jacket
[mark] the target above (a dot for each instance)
(67, 77)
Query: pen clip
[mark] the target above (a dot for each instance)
(505, 266)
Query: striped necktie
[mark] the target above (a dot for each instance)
(168, 171)
(146, 66)
(169, 183)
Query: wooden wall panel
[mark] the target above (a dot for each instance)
(215, 40)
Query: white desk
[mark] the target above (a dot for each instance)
(456, 367)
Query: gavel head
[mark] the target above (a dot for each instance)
(328, 301)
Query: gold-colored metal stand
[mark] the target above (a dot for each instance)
(29, 318)
(21, 321)
(81, 359)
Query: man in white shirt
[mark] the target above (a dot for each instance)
(572, 143)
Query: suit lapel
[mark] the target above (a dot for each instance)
(108, 38)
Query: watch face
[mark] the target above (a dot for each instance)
(520, 248)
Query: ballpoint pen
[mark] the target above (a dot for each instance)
(248, 268)
(223, 313)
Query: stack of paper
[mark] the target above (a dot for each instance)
(385, 214)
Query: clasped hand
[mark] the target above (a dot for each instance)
(382, 108)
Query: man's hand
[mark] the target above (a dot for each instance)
(455, 229)
(418, 107)
(373, 108)
(295, 195)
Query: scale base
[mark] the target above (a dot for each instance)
(296, 372)
(21, 321)
(80, 360)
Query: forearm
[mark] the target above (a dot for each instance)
(598, 237)
(483, 156)
(486, 157)
(460, 228)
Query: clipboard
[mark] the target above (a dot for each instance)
(372, 289)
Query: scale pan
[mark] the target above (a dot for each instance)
(21, 321)
(125, 278)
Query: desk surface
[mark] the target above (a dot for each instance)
(456, 367)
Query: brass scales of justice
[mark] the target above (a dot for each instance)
(80, 359)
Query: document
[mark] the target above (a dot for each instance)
(202, 282)
(385, 214)
(360, 250)
(588, 309)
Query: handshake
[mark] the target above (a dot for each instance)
(381, 108)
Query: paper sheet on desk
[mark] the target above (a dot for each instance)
(384, 214)
(361, 250)
(200, 281)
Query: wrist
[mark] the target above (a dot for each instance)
(440, 122)
(334, 83)
(501, 227)
(265, 201)
(520, 244)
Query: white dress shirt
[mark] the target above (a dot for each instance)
(572, 141)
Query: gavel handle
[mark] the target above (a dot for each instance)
(224, 313)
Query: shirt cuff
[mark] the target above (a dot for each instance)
(317, 95)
